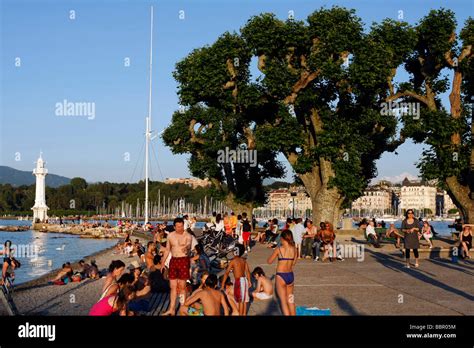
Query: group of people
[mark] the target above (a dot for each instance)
(309, 239)
(182, 268)
(67, 273)
(237, 226)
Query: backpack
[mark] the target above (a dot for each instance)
(246, 226)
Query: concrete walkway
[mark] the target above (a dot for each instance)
(378, 285)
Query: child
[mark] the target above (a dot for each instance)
(241, 271)
(264, 288)
(229, 292)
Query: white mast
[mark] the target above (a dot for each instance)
(148, 121)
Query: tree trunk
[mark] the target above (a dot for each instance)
(460, 196)
(238, 208)
(326, 202)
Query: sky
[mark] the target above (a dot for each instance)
(78, 51)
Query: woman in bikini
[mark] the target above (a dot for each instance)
(285, 279)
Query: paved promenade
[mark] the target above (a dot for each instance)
(378, 285)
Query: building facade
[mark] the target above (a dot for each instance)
(376, 199)
(193, 182)
(418, 195)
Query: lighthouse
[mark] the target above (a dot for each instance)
(40, 209)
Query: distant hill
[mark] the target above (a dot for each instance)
(17, 177)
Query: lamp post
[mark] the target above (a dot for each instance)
(293, 195)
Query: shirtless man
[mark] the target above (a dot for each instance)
(211, 299)
(178, 244)
(149, 255)
(240, 268)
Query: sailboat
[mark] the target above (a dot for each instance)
(148, 132)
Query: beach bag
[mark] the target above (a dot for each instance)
(312, 311)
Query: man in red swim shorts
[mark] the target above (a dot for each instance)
(179, 245)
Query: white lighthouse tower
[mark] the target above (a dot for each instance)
(40, 209)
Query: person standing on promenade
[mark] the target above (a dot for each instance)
(246, 232)
(242, 280)
(285, 279)
(227, 224)
(298, 232)
(179, 245)
(411, 227)
(233, 223)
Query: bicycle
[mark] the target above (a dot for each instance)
(7, 296)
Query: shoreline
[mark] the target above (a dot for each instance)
(74, 263)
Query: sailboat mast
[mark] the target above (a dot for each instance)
(148, 121)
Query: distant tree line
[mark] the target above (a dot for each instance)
(79, 197)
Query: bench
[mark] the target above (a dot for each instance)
(158, 304)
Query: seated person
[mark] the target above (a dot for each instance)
(8, 270)
(264, 288)
(372, 235)
(94, 270)
(212, 299)
(465, 241)
(116, 303)
(392, 232)
(85, 269)
(229, 293)
(65, 273)
(196, 308)
(158, 283)
(199, 263)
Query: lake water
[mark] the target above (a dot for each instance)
(40, 250)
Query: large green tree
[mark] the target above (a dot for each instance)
(330, 80)
(443, 61)
(221, 105)
(317, 100)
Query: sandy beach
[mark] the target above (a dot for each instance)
(37, 297)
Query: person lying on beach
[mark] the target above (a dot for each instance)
(240, 269)
(212, 299)
(65, 273)
(115, 303)
(264, 288)
(111, 287)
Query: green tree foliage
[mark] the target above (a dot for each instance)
(448, 132)
(317, 101)
(91, 197)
